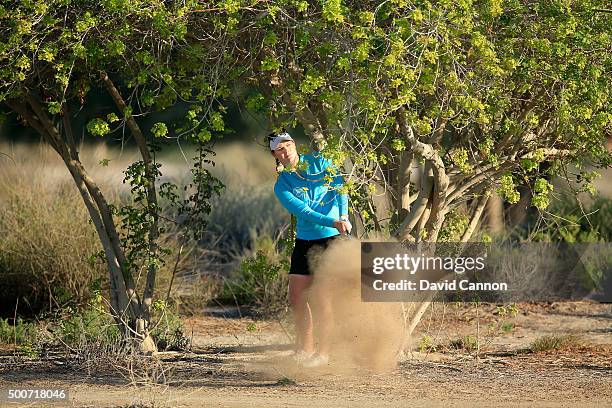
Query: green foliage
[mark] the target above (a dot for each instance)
(466, 343)
(572, 221)
(502, 323)
(270, 64)
(541, 189)
(507, 310)
(116, 47)
(22, 335)
(426, 345)
(85, 326)
(91, 324)
(507, 189)
(553, 342)
(54, 108)
(193, 209)
(19, 333)
(159, 130)
(486, 91)
(490, 87)
(454, 226)
(168, 333)
(531, 162)
(332, 10)
(311, 83)
(98, 127)
(261, 281)
(66, 326)
(461, 160)
(255, 102)
(586, 181)
(137, 219)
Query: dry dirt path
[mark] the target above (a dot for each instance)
(240, 362)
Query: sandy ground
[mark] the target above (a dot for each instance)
(239, 361)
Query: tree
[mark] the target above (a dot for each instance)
(430, 106)
(57, 52)
(427, 106)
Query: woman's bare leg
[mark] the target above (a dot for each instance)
(302, 316)
(322, 309)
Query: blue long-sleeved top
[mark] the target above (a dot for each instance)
(315, 202)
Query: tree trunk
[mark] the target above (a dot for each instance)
(144, 318)
(124, 302)
(495, 214)
(478, 210)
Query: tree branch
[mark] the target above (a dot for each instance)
(511, 132)
(420, 204)
(151, 191)
(33, 121)
(74, 153)
(480, 206)
(403, 184)
(48, 131)
(441, 180)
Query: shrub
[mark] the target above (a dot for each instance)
(575, 222)
(87, 326)
(427, 345)
(48, 245)
(467, 343)
(168, 331)
(261, 281)
(19, 333)
(553, 342)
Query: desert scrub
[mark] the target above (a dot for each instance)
(426, 345)
(261, 280)
(49, 249)
(87, 326)
(168, 329)
(18, 333)
(573, 221)
(21, 336)
(553, 342)
(502, 322)
(466, 343)
(46, 246)
(243, 213)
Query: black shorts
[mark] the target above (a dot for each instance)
(300, 264)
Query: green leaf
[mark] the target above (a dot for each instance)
(54, 108)
(270, 64)
(159, 130)
(98, 127)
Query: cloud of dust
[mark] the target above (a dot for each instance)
(364, 334)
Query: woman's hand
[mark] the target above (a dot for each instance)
(344, 227)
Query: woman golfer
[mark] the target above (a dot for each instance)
(322, 215)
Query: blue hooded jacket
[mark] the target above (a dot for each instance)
(314, 201)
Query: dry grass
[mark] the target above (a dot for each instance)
(47, 242)
(37, 161)
(45, 229)
(554, 342)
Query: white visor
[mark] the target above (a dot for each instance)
(274, 142)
